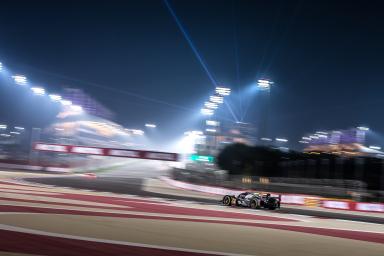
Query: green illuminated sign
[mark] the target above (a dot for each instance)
(198, 158)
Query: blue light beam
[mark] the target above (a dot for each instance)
(195, 51)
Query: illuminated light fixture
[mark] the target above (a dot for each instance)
(3, 126)
(303, 141)
(264, 84)
(76, 108)
(14, 132)
(306, 138)
(325, 133)
(55, 97)
(138, 132)
(281, 140)
(5, 135)
(223, 91)
(19, 128)
(375, 147)
(362, 128)
(66, 102)
(38, 91)
(210, 105)
(1, 66)
(314, 137)
(188, 133)
(150, 125)
(266, 139)
(216, 99)
(322, 136)
(212, 123)
(207, 111)
(210, 130)
(20, 79)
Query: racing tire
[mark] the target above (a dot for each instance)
(227, 200)
(254, 205)
(272, 204)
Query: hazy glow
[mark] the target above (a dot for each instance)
(375, 147)
(186, 145)
(1, 66)
(76, 108)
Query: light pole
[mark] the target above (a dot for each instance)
(265, 85)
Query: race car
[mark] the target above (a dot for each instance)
(252, 200)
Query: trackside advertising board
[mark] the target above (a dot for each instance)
(129, 153)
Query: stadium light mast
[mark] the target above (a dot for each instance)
(265, 85)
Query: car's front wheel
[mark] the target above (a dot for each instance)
(227, 200)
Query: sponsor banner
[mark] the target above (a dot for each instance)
(369, 207)
(129, 153)
(51, 147)
(293, 199)
(311, 201)
(342, 205)
(305, 200)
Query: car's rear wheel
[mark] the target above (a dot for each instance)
(272, 204)
(227, 200)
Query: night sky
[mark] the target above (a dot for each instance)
(325, 58)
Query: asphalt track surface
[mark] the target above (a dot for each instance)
(134, 186)
(78, 215)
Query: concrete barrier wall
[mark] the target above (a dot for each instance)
(292, 199)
